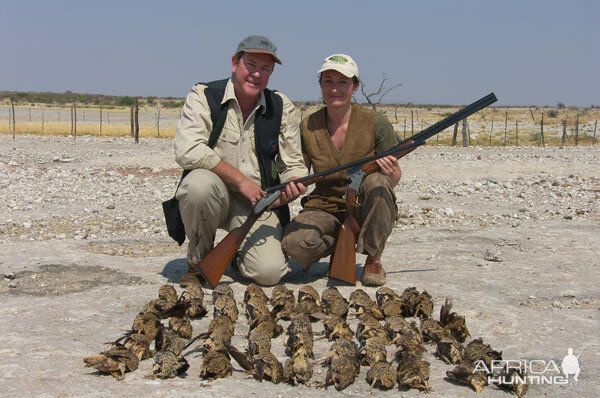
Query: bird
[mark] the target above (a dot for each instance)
(225, 305)
(381, 375)
(384, 294)
(168, 293)
(266, 324)
(423, 305)
(363, 304)
(253, 290)
(258, 341)
(215, 365)
(299, 368)
(397, 325)
(336, 328)
(514, 380)
(413, 372)
(450, 351)
(147, 323)
(139, 344)
(182, 326)
(256, 307)
(454, 323)
(167, 365)
(409, 298)
(476, 351)
(221, 289)
(341, 373)
(115, 361)
(267, 366)
(300, 341)
(465, 373)
(283, 303)
(371, 351)
(369, 327)
(408, 347)
(168, 339)
(432, 331)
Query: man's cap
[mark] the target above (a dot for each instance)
(258, 44)
(342, 63)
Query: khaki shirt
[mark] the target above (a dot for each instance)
(236, 143)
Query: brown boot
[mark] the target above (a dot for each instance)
(192, 276)
(373, 275)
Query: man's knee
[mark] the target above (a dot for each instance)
(268, 272)
(200, 186)
(377, 180)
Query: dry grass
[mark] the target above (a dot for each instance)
(407, 120)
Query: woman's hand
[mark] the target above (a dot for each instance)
(389, 166)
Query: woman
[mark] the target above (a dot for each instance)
(336, 134)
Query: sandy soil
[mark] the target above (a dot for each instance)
(510, 235)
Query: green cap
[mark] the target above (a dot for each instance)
(258, 44)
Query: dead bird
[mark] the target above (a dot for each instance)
(408, 346)
(222, 289)
(454, 323)
(283, 303)
(218, 340)
(432, 331)
(225, 305)
(215, 365)
(371, 351)
(267, 325)
(476, 351)
(397, 325)
(300, 322)
(370, 327)
(139, 344)
(298, 369)
(168, 293)
(167, 366)
(424, 305)
(258, 341)
(182, 326)
(341, 373)
(158, 307)
(115, 361)
(147, 324)
(409, 298)
(450, 351)
(384, 294)
(414, 373)
(392, 308)
(336, 328)
(333, 303)
(253, 290)
(381, 375)
(168, 339)
(195, 291)
(514, 380)
(341, 348)
(465, 374)
(363, 304)
(266, 366)
(300, 341)
(308, 292)
(256, 307)
(194, 305)
(222, 322)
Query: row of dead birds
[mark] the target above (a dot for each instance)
(344, 358)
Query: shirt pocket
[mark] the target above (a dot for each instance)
(230, 136)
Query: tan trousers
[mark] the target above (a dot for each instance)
(207, 205)
(312, 234)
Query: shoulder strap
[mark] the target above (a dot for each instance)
(214, 92)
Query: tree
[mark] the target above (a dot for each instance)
(376, 97)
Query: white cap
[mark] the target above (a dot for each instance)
(342, 63)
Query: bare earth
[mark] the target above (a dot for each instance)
(84, 248)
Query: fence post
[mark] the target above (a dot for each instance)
(71, 109)
(29, 115)
(464, 132)
(158, 123)
(455, 134)
(404, 129)
(517, 132)
(74, 120)
(100, 120)
(594, 137)
(396, 112)
(12, 104)
(137, 124)
(576, 130)
(542, 130)
(412, 124)
(131, 120)
(505, 126)
(491, 129)
(564, 134)
(43, 114)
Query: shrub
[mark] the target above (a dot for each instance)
(552, 113)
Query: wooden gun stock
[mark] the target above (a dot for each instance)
(213, 265)
(343, 261)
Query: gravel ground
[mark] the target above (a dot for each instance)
(509, 234)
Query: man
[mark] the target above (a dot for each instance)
(236, 137)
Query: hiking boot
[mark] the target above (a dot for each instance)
(373, 275)
(192, 276)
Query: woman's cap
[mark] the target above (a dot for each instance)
(342, 63)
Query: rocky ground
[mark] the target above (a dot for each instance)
(509, 234)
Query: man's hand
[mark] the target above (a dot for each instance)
(291, 193)
(238, 182)
(389, 166)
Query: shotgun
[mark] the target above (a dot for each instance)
(213, 265)
(342, 264)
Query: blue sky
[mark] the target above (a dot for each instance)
(442, 52)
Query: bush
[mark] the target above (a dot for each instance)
(560, 105)
(552, 113)
(126, 101)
